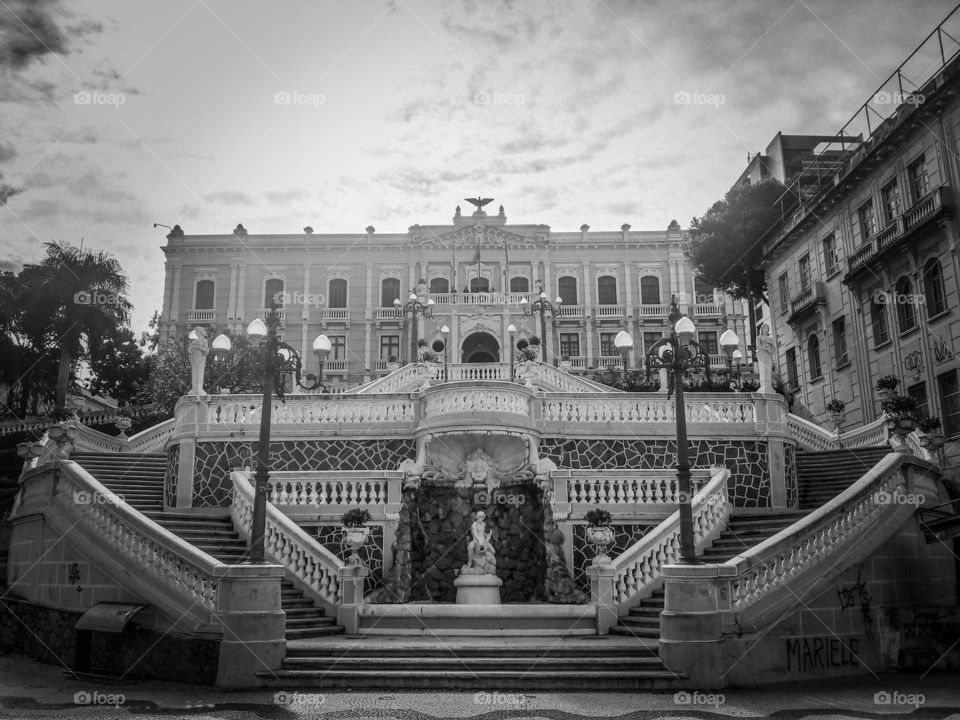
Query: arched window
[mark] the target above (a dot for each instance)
(439, 285)
(568, 290)
(606, 290)
(204, 299)
(479, 285)
(519, 285)
(903, 300)
(933, 288)
(389, 291)
(273, 293)
(337, 296)
(878, 318)
(813, 357)
(649, 290)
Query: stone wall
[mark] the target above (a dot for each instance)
(331, 537)
(747, 460)
(627, 535)
(170, 479)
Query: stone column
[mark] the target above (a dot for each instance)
(352, 578)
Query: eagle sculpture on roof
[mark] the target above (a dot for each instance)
(478, 201)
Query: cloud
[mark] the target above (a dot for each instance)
(28, 31)
(228, 197)
(285, 196)
(7, 151)
(7, 192)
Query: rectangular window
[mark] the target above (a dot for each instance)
(950, 402)
(784, 293)
(389, 347)
(890, 197)
(917, 173)
(650, 339)
(569, 344)
(338, 347)
(606, 344)
(881, 331)
(830, 260)
(919, 393)
(866, 221)
(840, 341)
(708, 341)
(805, 272)
(792, 368)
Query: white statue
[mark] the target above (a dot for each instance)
(199, 348)
(480, 554)
(766, 352)
(479, 470)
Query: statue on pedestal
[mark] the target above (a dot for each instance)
(766, 352)
(199, 348)
(480, 554)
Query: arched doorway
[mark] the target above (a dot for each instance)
(480, 347)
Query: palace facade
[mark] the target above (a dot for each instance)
(477, 276)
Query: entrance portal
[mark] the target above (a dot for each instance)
(481, 347)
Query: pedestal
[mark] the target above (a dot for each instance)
(478, 589)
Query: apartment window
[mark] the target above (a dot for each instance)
(273, 293)
(878, 318)
(917, 173)
(650, 339)
(933, 291)
(439, 286)
(389, 291)
(606, 290)
(813, 357)
(792, 378)
(830, 260)
(519, 285)
(708, 341)
(866, 221)
(950, 402)
(919, 393)
(337, 293)
(606, 344)
(703, 290)
(204, 296)
(479, 285)
(890, 197)
(903, 300)
(840, 340)
(567, 287)
(805, 272)
(784, 285)
(338, 347)
(649, 290)
(569, 345)
(389, 346)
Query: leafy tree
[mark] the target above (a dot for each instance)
(120, 369)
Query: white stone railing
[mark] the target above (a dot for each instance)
(810, 436)
(627, 487)
(466, 399)
(565, 382)
(647, 409)
(639, 568)
(305, 410)
(152, 439)
(312, 567)
(334, 487)
(471, 371)
(874, 434)
(403, 379)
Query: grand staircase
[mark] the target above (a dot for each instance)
(825, 474)
(139, 480)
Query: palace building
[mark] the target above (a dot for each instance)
(476, 277)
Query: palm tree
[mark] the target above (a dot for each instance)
(83, 293)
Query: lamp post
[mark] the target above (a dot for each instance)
(276, 358)
(445, 331)
(624, 344)
(511, 331)
(728, 344)
(414, 307)
(679, 353)
(543, 306)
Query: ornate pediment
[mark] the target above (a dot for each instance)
(470, 235)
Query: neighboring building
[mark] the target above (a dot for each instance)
(863, 276)
(345, 285)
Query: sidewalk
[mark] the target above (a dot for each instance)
(29, 689)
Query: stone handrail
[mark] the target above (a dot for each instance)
(466, 398)
(810, 436)
(304, 410)
(567, 382)
(646, 409)
(625, 487)
(400, 380)
(874, 434)
(639, 568)
(312, 567)
(152, 439)
(90, 440)
(340, 487)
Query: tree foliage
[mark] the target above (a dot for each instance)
(726, 243)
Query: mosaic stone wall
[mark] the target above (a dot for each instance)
(747, 461)
(790, 464)
(211, 485)
(583, 553)
(331, 537)
(170, 480)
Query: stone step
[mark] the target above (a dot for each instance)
(639, 631)
(313, 632)
(469, 663)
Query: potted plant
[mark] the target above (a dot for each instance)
(886, 387)
(534, 340)
(123, 420)
(930, 435)
(900, 420)
(749, 385)
(522, 344)
(528, 354)
(598, 531)
(836, 408)
(355, 531)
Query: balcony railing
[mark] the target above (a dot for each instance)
(806, 300)
(570, 311)
(860, 256)
(262, 313)
(387, 314)
(610, 311)
(925, 209)
(336, 313)
(708, 309)
(201, 315)
(657, 311)
(334, 366)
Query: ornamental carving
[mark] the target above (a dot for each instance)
(471, 235)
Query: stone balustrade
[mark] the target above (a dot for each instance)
(313, 489)
(728, 409)
(626, 487)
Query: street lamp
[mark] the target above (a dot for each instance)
(624, 344)
(445, 331)
(543, 306)
(414, 307)
(677, 354)
(511, 330)
(276, 358)
(728, 344)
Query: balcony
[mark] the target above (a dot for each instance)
(806, 301)
(387, 313)
(262, 313)
(201, 316)
(708, 309)
(653, 311)
(342, 314)
(335, 367)
(572, 311)
(610, 311)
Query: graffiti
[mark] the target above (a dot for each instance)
(913, 361)
(807, 654)
(73, 576)
(941, 351)
(941, 624)
(850, 596)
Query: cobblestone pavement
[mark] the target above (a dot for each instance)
(29, 689)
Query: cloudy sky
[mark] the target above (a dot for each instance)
(118, 114)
